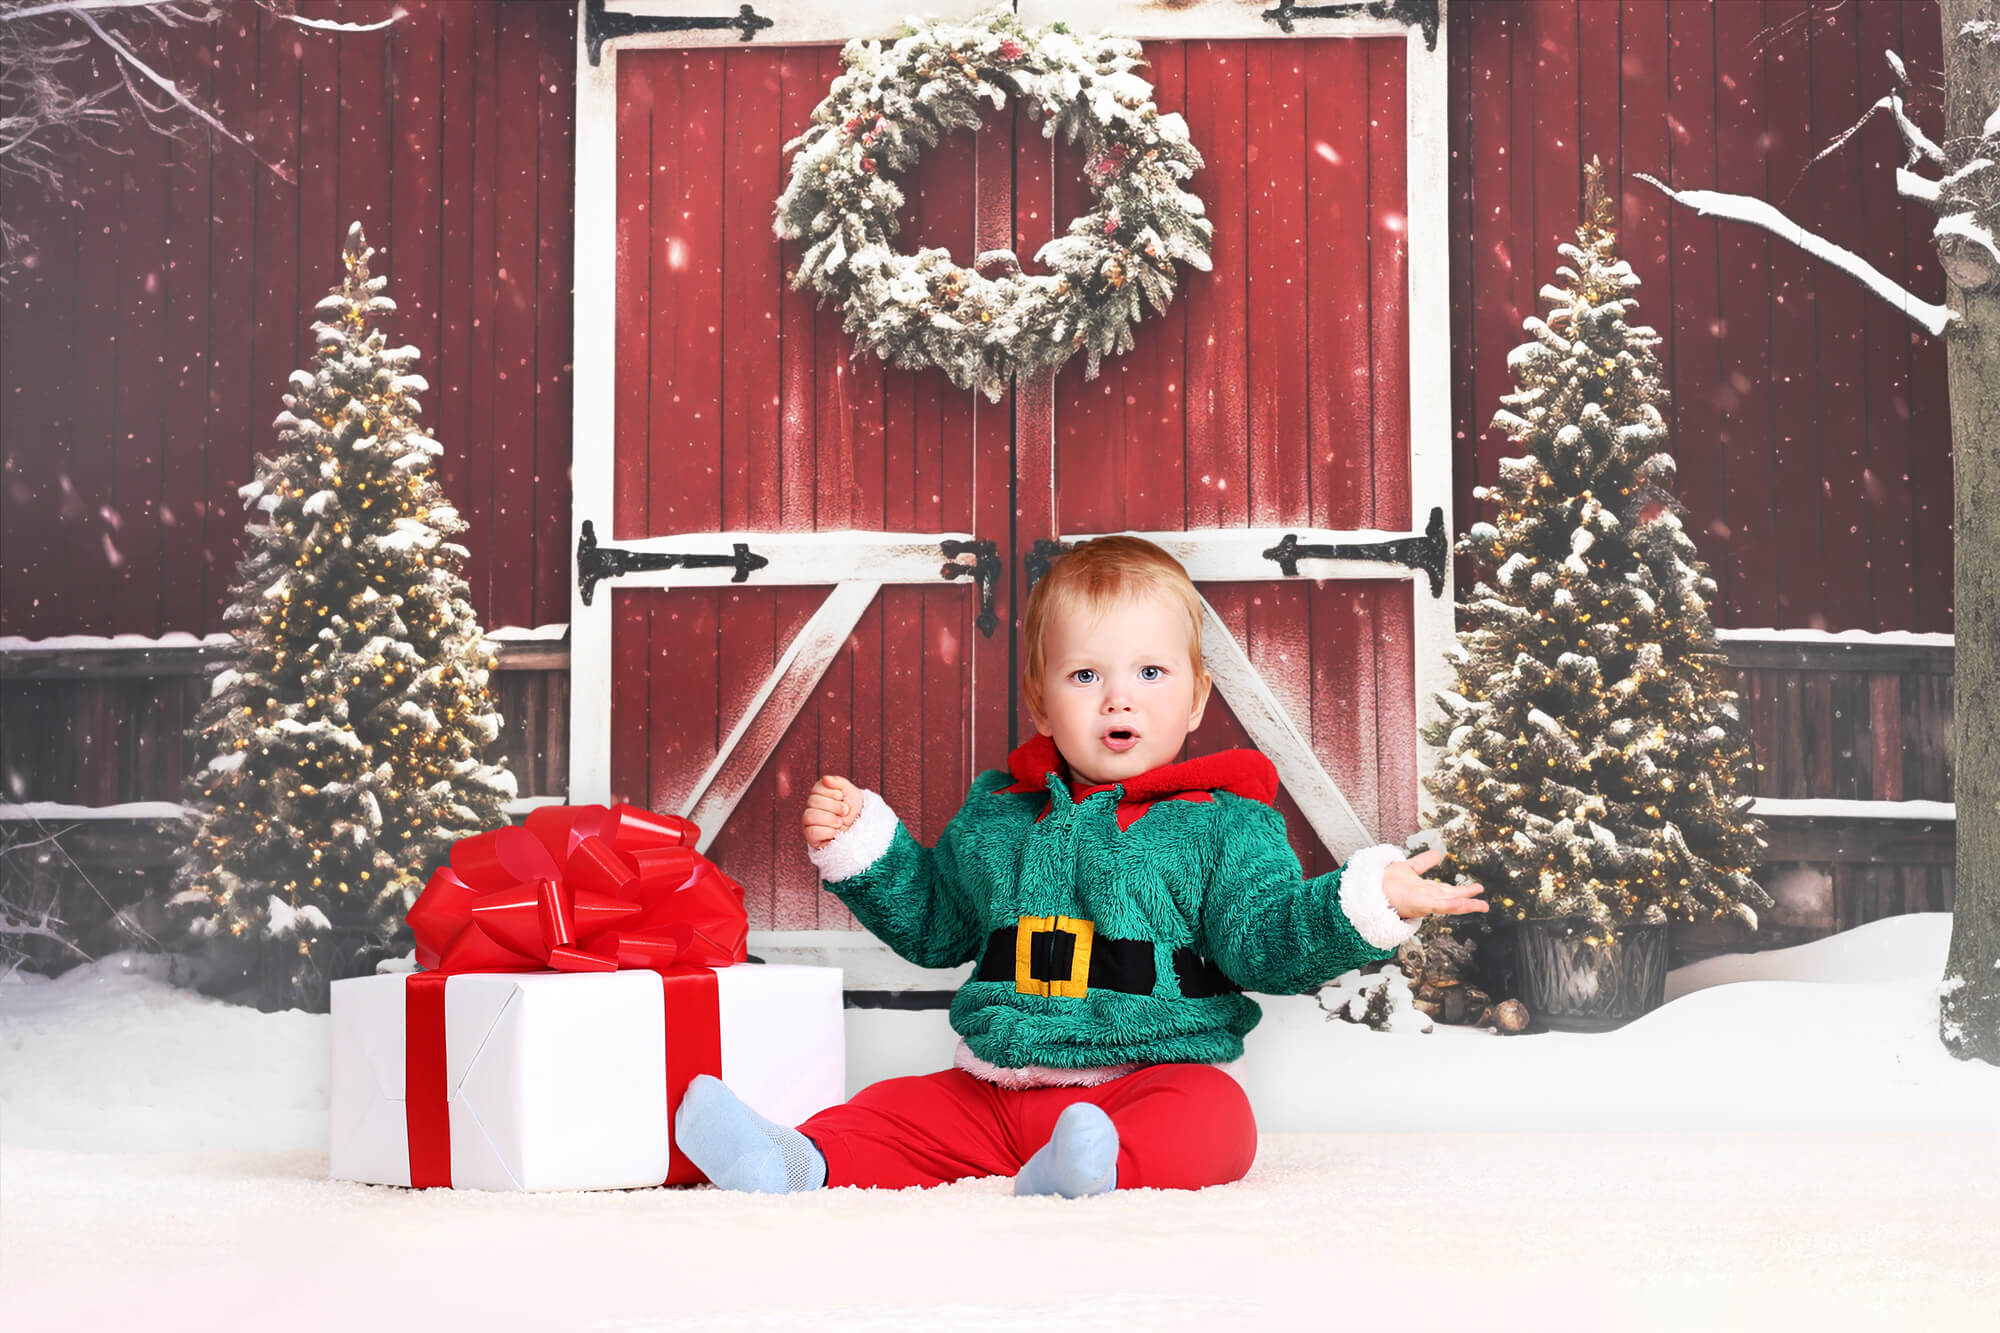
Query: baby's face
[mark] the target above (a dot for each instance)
(1119, 692)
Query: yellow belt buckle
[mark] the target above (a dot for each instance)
(1077, 984)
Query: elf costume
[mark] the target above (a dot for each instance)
(1115, 929)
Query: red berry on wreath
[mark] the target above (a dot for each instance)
(1010, 49)
(868, 164)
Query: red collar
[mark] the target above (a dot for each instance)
(1240, 772)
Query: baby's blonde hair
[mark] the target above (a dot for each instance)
(1093, 576)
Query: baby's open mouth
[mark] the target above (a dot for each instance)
(1121, 738)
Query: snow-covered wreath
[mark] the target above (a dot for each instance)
(916, 310)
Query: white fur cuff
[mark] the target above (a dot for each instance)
(849, 853)
(1362, 899)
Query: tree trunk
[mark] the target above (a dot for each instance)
(1969, 1013)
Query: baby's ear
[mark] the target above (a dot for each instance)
(1200, 700)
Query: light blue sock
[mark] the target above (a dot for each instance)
(1080, 1158)
(740, 1150)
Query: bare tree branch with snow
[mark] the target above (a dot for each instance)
(1966, 197)
(45, 52)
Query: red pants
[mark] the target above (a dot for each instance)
(1179, 1127)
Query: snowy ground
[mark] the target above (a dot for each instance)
(1783, 1146)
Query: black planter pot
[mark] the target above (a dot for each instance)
(1572, 985)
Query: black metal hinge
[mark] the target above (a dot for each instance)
(601, 25)
(595, 563)
(1040, 556)
(1427, 552)
(1410, 13)
(985, 569)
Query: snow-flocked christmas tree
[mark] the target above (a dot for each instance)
(341, 750)
(1592, 752)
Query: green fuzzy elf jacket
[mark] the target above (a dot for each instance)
(1117, 924)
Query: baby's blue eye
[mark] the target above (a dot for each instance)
(1083, 675)
(1158, 673)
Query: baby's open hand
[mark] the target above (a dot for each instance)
(831, 809)
(1404, 885)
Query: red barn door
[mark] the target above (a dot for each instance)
(792, 561)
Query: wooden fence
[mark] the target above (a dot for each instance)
(1852, 742)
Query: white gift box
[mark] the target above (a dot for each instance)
(557, 1081)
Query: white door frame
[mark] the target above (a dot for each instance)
(870, 559)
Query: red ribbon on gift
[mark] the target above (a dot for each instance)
(579, 889)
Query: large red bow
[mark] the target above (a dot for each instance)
(580, 889)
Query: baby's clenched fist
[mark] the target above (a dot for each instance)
(831, 809)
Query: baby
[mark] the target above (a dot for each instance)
(1117, 905)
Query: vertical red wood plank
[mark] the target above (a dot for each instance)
(1885, 346)
(103, 359)
(1646, 217)
(757, 487)
(862, 663)
(633, 731)
(1279, 468)
(555, 276)
(1217, 421)
(1693, 323)
(1556, 173)
(413, 231)
(133, 544)
(1156, 410)
(687, 432)
(1745, 557)
(1092, 471)
(1396, 716)
(362, 87)
(37, 365)
(944, 504)
(1819, 688)
(1389, 284)
(1461, 139)
(647, 93)
(1836, 190)
(1035, 514)
(483, 423)
(789, 774)
(1394, 813)
(512, 180)
(1795, 399)
(1339, 401)
(830, 750)
(989, 668)
(745, 635)
(1930, 404)
(1597, 85)
(322, 232)
(462, 468)
(684, 729)
(237, 196)
(187, 350)
(1345, 714)
(1496, 320)
(807, 389)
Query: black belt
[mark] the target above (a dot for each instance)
(1044, 955)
